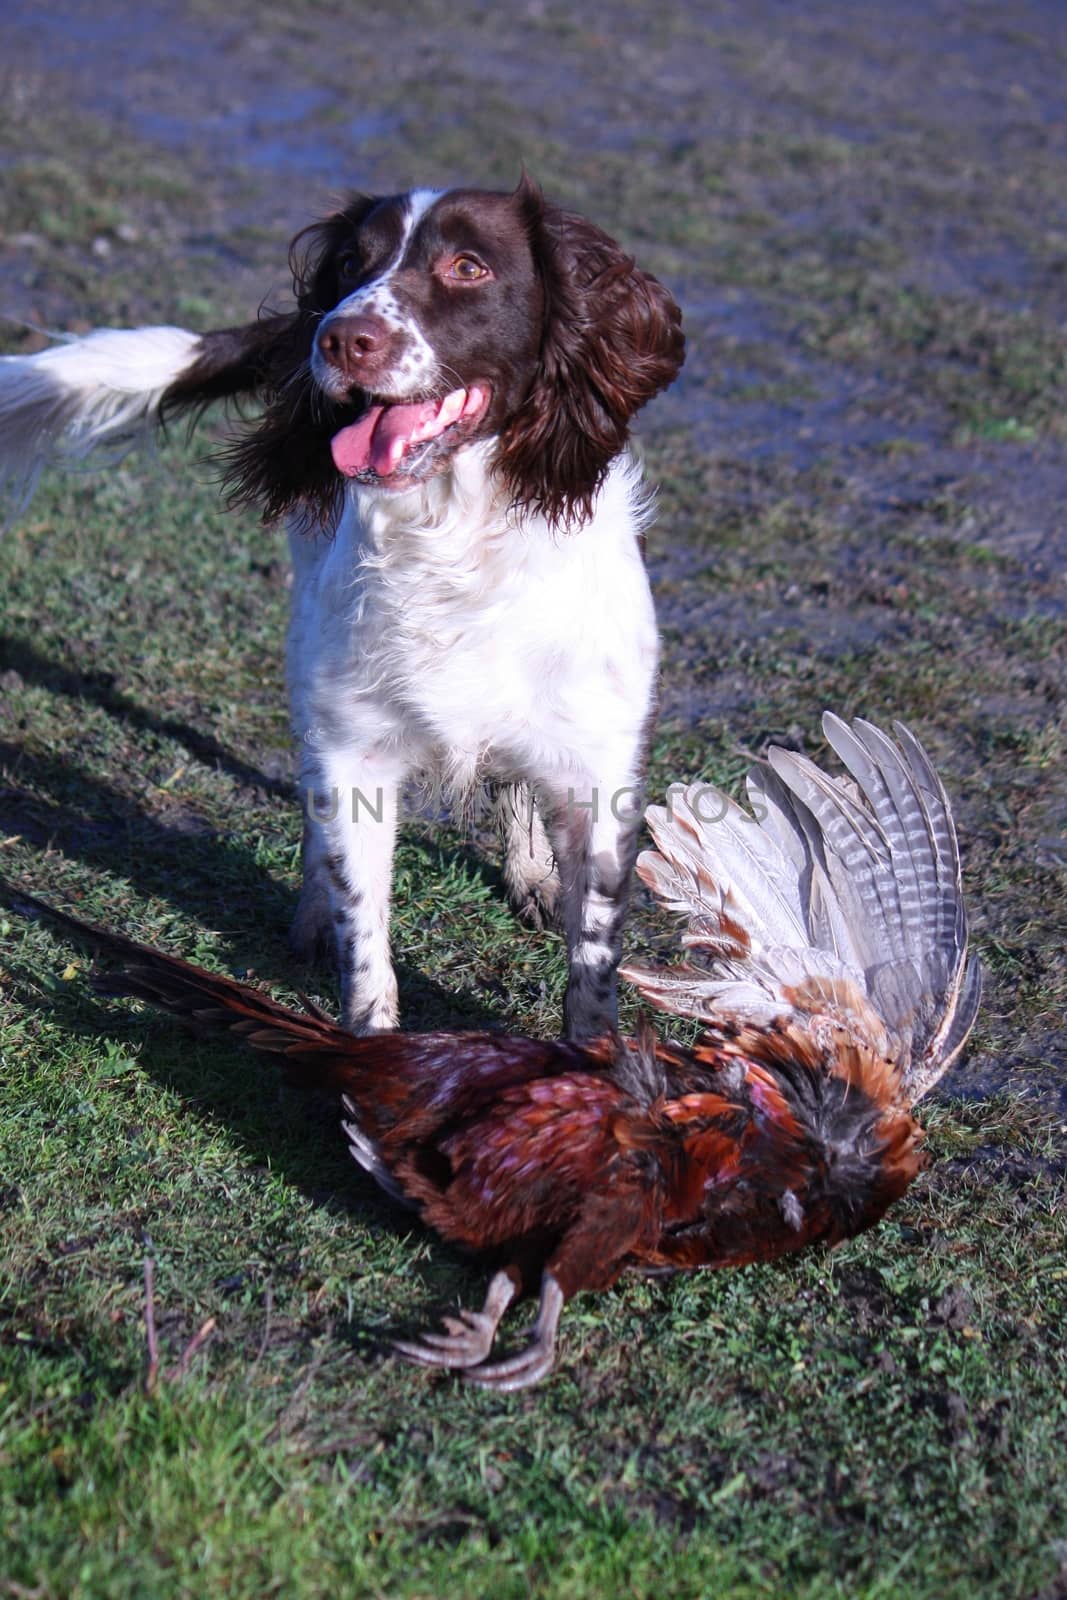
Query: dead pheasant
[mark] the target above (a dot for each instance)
(828, 944)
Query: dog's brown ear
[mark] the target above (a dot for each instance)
(316, 249)
(282, 461)
(612, 339)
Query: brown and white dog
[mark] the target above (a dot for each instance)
(445, 417)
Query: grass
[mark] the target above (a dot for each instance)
(888, 1420)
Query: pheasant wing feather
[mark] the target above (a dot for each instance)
(721, 869)
(839, 908)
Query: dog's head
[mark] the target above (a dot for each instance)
(429, 320)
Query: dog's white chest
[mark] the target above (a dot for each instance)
(483, 641)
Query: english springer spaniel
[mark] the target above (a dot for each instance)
(444, 423)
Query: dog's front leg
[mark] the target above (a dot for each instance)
(594, 833)
(351, 808)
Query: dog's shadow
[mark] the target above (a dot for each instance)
(211, 877)
(276, 1128)
(100, 688)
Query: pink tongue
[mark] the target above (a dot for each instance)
(382, 436)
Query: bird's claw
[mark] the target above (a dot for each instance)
(520, 1371)
(469, 1336)
(468, 1341)
(537, 1357)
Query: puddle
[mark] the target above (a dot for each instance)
(199, 87)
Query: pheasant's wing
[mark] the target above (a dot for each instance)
(834, 903)
(761, 909)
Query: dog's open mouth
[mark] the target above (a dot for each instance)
(399, 439)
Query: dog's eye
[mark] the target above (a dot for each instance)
(468, 269)
(348, 265)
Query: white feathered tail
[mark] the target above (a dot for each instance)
(81, 395)
(836, 905)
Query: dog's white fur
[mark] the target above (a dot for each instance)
(430, 634)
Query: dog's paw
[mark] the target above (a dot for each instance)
(537, 904)
(311, 930)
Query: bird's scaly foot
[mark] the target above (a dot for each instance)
(470, 1334)
(538, 1356)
